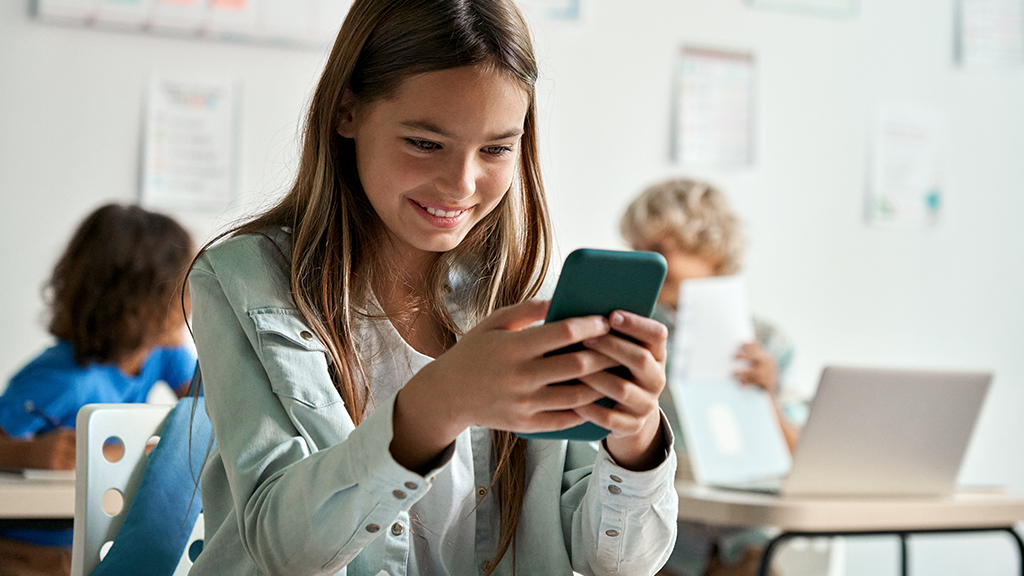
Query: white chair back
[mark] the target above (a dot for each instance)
(97, 480)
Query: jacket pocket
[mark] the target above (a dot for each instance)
(295, 360)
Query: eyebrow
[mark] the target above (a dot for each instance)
(430, 127)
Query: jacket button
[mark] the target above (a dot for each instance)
(615, 478)
(397, 529)
(399, 494)
(615, 489)
(612, 533)
(371, 528)
(411, 485)
(481, 492)
(306, 335)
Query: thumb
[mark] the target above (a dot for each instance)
(518, 316)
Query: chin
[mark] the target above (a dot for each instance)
(442, 245)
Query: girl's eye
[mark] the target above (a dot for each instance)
(498, 150)
(424, 145)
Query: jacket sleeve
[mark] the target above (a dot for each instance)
(618, 521)
(300, 508)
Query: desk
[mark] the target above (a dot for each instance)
(22, 498)
(821, 516)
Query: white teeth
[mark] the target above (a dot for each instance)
(442, 213)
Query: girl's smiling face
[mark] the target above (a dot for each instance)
(438, 155)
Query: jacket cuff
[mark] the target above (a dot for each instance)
(621, 487)
(388, 480)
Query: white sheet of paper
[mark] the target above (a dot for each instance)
(731, 432)
(713, 321)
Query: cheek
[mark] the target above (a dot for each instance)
(386, 175)
(497, 181)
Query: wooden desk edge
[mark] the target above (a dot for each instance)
(735, 508)
(37, 499)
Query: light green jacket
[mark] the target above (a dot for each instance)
(294, 488)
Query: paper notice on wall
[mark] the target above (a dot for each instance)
(815, 7)
(565, 10)
(299, 23)
(990, 33)
(715, 108)
(190, 144)
(904, 184)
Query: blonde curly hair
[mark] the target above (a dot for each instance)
(694, 215)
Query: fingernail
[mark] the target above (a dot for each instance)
(617, 319)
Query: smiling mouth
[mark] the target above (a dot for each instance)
(441, 213)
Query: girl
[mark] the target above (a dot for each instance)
(113, 307)
(369, 344)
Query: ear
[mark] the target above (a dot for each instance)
(347, 114)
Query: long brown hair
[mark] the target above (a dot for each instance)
(114, 286)
(336, 234)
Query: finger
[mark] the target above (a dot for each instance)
(752, 351)
(567, 396)
(752, 378)
(518, 316)
(744, 376)
(545, 338)
(650, 333)
(611, 418)
(569, 366)
(628, 396)
(551, 421)
(647, 371)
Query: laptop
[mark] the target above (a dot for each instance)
(882, 432)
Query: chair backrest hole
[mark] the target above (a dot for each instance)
(105, 548)
(194, 549)
(113, 502)
(151, 444)
(113, 449)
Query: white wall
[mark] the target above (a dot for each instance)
(71, 103)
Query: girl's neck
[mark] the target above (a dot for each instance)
(404, 296)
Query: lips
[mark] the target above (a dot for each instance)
(442, 213)
(443, 216)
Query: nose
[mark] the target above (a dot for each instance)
(458, 177)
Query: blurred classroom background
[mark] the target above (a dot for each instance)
(943, 291)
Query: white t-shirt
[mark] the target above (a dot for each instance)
(443, 522)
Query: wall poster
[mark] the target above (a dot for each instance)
(190, 144)
(714, 108)
(904, 184)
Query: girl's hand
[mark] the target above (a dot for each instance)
(497, 376)
(635, 440)
(763, 371)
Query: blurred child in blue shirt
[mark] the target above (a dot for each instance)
(116, 309)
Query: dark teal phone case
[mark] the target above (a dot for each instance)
(599, 282)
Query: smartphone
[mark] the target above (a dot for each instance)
(597, 283)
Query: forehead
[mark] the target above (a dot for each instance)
(466, 101)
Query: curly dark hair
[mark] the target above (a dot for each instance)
(113, 288)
